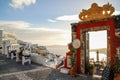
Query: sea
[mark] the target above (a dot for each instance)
(58, 50)
(62, 50)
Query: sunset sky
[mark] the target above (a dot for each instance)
(46, 22)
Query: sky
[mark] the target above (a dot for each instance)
(45, 22)
(98, 39)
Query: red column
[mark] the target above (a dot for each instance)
(78, 61)
(112, 36)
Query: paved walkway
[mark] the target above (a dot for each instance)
(8, 66)
(42, 73)
(10, 70)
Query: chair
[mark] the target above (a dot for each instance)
(26, 59)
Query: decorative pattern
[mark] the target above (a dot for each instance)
(97, 28)
(96, 12)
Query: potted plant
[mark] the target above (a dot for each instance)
(72, 60)
(91, 69)
(72, 69)
(117, 66)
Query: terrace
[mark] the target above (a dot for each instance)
(12, 70)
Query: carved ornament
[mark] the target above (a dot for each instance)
(96, 12)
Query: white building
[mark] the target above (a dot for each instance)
(8, 42)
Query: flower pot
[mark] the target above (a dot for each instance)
(117, 76)
(72, 71)
(91, 71)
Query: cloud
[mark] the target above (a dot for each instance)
(65, 18)
(15, 24)
(116, 13)
(68, 18)
(41, 35)
(19, 4)
(73, 17)
(50, 20)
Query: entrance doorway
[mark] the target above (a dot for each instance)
(95, 49)
(98, 42)
(98, 50)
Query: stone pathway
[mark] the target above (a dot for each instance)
(42, 73)
(21, 75)
(12, 70)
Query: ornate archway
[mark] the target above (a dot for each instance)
(100, 25)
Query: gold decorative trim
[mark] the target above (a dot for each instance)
(96, 12)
